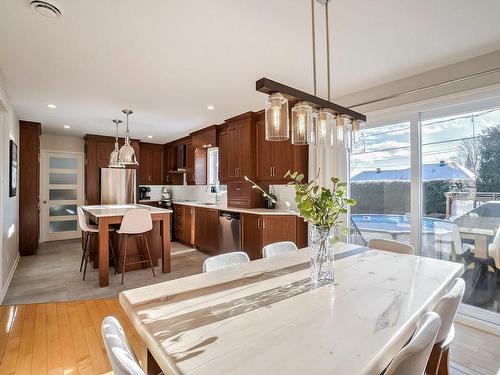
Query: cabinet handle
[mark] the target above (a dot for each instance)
(271, 171)
(263, 224)
(259, 223)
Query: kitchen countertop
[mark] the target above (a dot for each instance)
(224, 207)
(119, 209)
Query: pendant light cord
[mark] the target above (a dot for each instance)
(313, 46)
(328, 50)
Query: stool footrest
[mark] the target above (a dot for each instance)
(138, 262)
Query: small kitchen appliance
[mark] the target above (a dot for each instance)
(166, 198)
(144, 193)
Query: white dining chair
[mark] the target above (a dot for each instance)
(89, 231)
(225, 260)
(412, 359)
(121, 356)
(446, 308)
(136, 223)
(391, 245)
(278, 248)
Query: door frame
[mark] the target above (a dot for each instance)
(44, 189)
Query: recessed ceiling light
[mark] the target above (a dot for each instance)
(150, 136)
(67, 126)
(51, 106)
(211, 107)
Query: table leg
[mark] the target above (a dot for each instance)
(103, 252)
(165, 243)
(152, 365)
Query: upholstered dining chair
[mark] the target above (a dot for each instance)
(391, 245)
(412, 359)
(89, 231)
(446, 308)
(278, 248)
(122, 358)
(136, 223)
(225, 260)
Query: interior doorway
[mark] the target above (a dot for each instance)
(61, 192)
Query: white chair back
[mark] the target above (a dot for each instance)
(120, 354)
(136, 221)
(225, 260)
(82, 221)
(447, 308)
(278, 248)
(391, 245)
(412, 359)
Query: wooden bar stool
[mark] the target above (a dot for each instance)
(135, 223)
(91, 230)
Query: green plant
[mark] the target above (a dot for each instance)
(319, 205)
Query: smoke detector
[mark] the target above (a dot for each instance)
(48, 9)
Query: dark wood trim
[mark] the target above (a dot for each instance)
(268, 86)
(28, 186)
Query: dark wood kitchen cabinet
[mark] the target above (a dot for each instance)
(223, 155)
(28, 187)
(207, 230)
(151, 164)
(261, 230)
(184, 230)
(97, 151)
(275, 158)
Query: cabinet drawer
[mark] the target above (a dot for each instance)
(238, 190)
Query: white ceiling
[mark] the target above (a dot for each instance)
(168, 60)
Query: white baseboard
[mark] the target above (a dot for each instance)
(9, 279)
(478, 324)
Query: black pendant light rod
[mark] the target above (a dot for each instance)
(268, 86)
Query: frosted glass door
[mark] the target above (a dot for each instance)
(62, 192)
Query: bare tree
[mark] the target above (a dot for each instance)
(469, 154)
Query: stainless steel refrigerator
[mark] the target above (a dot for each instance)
(118, 186)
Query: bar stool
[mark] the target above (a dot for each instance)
(91, 230)
(135, 223)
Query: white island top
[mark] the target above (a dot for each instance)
(108, 210)
(267, 317)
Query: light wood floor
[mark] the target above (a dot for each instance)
(65, 338)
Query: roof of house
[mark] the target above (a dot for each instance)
(437, 171)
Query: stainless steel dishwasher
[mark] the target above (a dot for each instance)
(229, 226)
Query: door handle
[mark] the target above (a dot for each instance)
(44, 202)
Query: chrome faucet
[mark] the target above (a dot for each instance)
(214, 189)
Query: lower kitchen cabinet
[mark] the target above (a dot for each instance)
(207, 230)
(261, 230)
(184, 224)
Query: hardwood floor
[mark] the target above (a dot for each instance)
(65, 338)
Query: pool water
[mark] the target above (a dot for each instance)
(396, 223)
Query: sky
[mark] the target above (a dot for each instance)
(388, 147)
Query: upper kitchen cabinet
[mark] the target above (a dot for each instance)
(223, 154)
(151, 164)
(241, 146)
(275, 158)
(97, 151)
(201, 141)
(179, 161)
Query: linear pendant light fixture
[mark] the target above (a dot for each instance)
(313, 118)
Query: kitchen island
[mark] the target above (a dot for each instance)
(106, 215)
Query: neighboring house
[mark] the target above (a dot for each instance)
(438, 171)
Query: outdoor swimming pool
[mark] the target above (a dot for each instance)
(396, 223)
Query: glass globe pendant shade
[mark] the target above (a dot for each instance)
(114, 158)
(276, 118)
(340, 129)
(127, 152)
(302, 123)
(324, 124)
(357, 131)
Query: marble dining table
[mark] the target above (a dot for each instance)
(268, 317)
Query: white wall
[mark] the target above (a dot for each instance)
(51, 142)
(9, 207)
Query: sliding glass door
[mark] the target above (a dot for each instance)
(434, 181)
(461, 199)
(381, 183)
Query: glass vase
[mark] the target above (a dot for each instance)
(322, 254)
